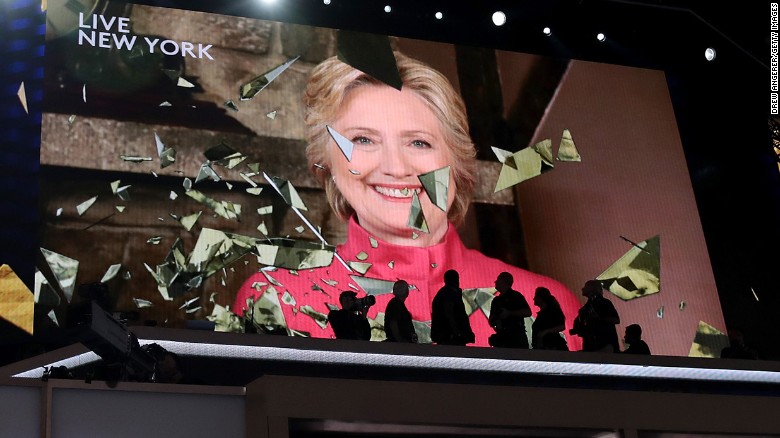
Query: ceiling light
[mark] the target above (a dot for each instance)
(499, 18)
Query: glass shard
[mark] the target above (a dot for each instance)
(189, 221)
(115, 186)
(371, 54)
(271, 115)
(294, 254)
(64, 270)
(225, 209)
(254, 190)
(522, 165)
(262, 228)
(360, 267)
(53, 317)
(289, 194)
(188, 302)
(84, 93)
(111, 272)
(391, 264)
(141, 303)
(224, 155)
(567, 151)
(71, 119)
(682, 305)
(256, 85)
(167, 157)
(206, 171)
(193, 310)
(436, 184)
(165, 103)
(247, 178)
(135, 158)
(288, 299)
(708, 341)
(22, 95)
(320, 318)
(637, 273)
(660, 312)
(58, 213)
(84, 206)
(361, 256)
(268, 209)
(154, 240)
(544, 149)
(17, 302)
(225, 321)
(181, 82)
(300, 229)
(343, 143)
(416, 217)
(187, 184)
(44, 294)
(124, 192)
(120, 208)
(230, 104)
(374, 243)
(501, 154)
(267, 315)
(373, 286)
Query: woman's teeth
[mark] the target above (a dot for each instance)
(405, 192)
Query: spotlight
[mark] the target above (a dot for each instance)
(547, 31)
(439, 15)
(327, 2)
(388, 9)
(601, 37)
(268, 2)
(709, 54)
(499, 18)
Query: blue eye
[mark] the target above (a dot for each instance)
(361, 140)
(420, 144)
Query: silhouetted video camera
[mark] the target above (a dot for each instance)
(363, 303)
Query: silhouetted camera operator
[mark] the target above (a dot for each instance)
(350, 321)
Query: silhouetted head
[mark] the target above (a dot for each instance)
(452, 278)
(401, 289)
(633, 333)
(592, 288)
(347, 299)
(504, 281)
(543, 297)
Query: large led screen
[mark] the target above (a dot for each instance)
(235, 174)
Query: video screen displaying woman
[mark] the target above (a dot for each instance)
(397, 136)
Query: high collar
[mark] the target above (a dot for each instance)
(405, 259)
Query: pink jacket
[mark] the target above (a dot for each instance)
(422, 267)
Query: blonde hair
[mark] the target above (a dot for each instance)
(328, 86)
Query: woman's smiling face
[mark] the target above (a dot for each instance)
(396, 138)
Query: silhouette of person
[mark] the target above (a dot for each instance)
(596, 320)
(398, 320)
(350, 321)
(737, 348)
(449, 320)
(633, 337)
(507, 315)
(549, 323)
